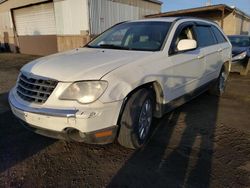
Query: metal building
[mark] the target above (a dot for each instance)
(44, 27)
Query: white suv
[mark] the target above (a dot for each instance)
(114, 86)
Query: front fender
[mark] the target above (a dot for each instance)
(127, 78)
(120, 86)
(120, 90)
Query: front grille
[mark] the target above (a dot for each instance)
(35, 90)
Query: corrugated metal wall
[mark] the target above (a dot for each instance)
(105, 13)
(71, 16)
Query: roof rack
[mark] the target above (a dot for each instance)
(192, 17)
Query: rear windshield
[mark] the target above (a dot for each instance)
(241, 41)
(143, 36)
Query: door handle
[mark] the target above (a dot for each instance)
(200, 56)
(220, 50)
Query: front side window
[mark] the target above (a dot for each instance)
(143, 36)
(186, 33)
(183, 32)
(205, 36)
(240, 41)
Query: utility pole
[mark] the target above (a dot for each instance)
(233, 5)
(209, 2)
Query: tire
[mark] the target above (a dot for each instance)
(135, 122)
(218, 88)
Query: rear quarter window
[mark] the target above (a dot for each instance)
(219, 36)
(205, 36)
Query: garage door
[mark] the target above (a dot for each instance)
(36, 29)
(35, 20)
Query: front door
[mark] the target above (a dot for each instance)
(188, 66)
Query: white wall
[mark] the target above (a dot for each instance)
(5, 24)
(5, 20)
(71, 16)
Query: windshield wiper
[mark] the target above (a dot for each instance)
(112, 46)
(88, 46)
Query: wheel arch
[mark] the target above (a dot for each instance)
(227, 66)
(158, 94)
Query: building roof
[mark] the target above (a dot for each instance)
(1, 1)
(219, 7)
(154, 1)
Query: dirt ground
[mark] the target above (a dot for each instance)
(204, 143)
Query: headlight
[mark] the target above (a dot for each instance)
(240, 56)
(84, 92)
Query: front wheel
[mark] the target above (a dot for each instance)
(136, 119)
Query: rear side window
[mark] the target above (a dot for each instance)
(219, 36)
(205, 36)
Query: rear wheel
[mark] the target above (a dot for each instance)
(218, 88)
(136, 119)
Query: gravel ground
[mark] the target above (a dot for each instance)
(204, 143)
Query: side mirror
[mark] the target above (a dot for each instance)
(186, 44)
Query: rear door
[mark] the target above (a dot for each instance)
(210, 50)
(225, 46)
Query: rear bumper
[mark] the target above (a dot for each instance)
(90, 125)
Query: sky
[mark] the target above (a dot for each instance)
(170, 5)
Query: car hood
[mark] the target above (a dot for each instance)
(238, 50)
(82, 64)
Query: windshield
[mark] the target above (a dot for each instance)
(144, 36)
(240, 41)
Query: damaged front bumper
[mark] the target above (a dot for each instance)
(89, 125)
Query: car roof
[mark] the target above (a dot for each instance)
(166, 19)
(238, 36)
(174, 19)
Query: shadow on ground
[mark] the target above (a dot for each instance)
(189, 163)
(16, 143)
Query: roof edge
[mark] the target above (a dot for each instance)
(201, 9)
(155, 1)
